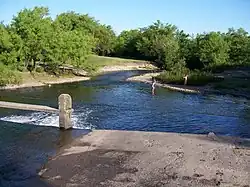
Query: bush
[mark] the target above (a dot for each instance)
(22, 68)
(195, 78)
(39, 69)
(8, 76)
(170, 77)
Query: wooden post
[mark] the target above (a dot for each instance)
(65, 111)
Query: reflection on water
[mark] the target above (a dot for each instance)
(24, 148)
(106, 102)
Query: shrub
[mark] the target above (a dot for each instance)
(8, 76)
(195, 78)
(169, 77)
(39, 69)
(22, 68)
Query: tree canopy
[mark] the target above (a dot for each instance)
(33, 36)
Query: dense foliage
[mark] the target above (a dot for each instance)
(168, 46)
(33, 37)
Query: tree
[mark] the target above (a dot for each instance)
(239, 43)
(126, 44)
(184, 42)
(10, 47)
(105, 40)
(104, 35)
(158, 43)
(69, 47)
(213, 49)
(34, 27)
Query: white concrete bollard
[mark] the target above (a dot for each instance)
(65, 111)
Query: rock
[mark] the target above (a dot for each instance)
(80, 72)
(67, 67)
(40, 173)
(211, 135)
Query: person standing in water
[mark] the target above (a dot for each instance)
(153, 85)
(185, 79)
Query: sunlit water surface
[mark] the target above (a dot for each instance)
(27, 139)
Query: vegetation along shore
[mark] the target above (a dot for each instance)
(38, 50)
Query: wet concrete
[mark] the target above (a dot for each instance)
(131, 159)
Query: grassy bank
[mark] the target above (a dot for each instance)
(93, 65)
(195, 78)
(233, 82)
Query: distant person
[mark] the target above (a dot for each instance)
(153, 85)
(185, 79)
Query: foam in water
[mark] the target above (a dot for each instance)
(79, 119)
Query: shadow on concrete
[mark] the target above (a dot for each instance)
(90, 168)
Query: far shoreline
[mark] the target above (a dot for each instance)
(61, 80)
(147, 78)
(47, 83)
(144, 78)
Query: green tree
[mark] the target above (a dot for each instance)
(69, 47)
(239, 41)
(106, 39)
(126, 44)
(213, 49)
(104, 35)
(34, 27)
(10, 47)
(184, 42)
(192, 55)
(159, 43)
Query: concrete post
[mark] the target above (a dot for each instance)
(65, 111)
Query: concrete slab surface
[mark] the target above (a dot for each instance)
(105, 158)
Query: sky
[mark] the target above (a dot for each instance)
(192, 16)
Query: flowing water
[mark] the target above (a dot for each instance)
(27, 139)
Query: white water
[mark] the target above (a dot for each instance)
(79, 119)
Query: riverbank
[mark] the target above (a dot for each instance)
(130, 158)
(147, 78)
(43, 79)
(235, 83)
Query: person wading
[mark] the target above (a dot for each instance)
(185, 79)
(153, 85)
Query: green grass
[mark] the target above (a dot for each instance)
(195, 78)
(103, 60)
(94, 62)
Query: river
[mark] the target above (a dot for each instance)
(28, 139)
